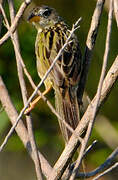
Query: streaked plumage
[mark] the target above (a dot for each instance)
(64, 78)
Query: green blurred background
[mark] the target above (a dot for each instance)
(14, 160)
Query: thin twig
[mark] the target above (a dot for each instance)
(90, 43)
(90, 148)
(1, 2)
(24, 94)
(68, 172)
(35, 92)
(16, 21)
(99, 169)
(116, 11)
(91, 123)
(20, 129)
(107, 171)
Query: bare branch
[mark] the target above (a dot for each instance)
(1, 2)
(90, 43)
(68, 172)
(116, 10)
(20, 129)
(24, 94)
(107, 171)
(90, 148)
(106, 164)
(16, 21)
(100, 169)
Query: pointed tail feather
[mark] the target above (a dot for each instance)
(67, 107)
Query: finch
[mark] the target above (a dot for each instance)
(52, 33)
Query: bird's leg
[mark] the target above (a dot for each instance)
(33, 104)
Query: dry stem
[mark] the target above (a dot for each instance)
(16, 21)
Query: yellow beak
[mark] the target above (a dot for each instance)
(33, 18)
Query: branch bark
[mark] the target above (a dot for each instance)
(16, 21)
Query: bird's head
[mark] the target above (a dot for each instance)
(43, 17)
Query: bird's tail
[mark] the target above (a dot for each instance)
(67, 107)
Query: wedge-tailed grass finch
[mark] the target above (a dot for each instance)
(64, 77)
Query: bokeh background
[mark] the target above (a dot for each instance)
(14, 160)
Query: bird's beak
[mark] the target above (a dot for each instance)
(33, 18)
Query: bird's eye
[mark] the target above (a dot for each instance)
(46, 13)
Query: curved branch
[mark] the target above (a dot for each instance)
(107, 171)
(102, 167)
(16, 21)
